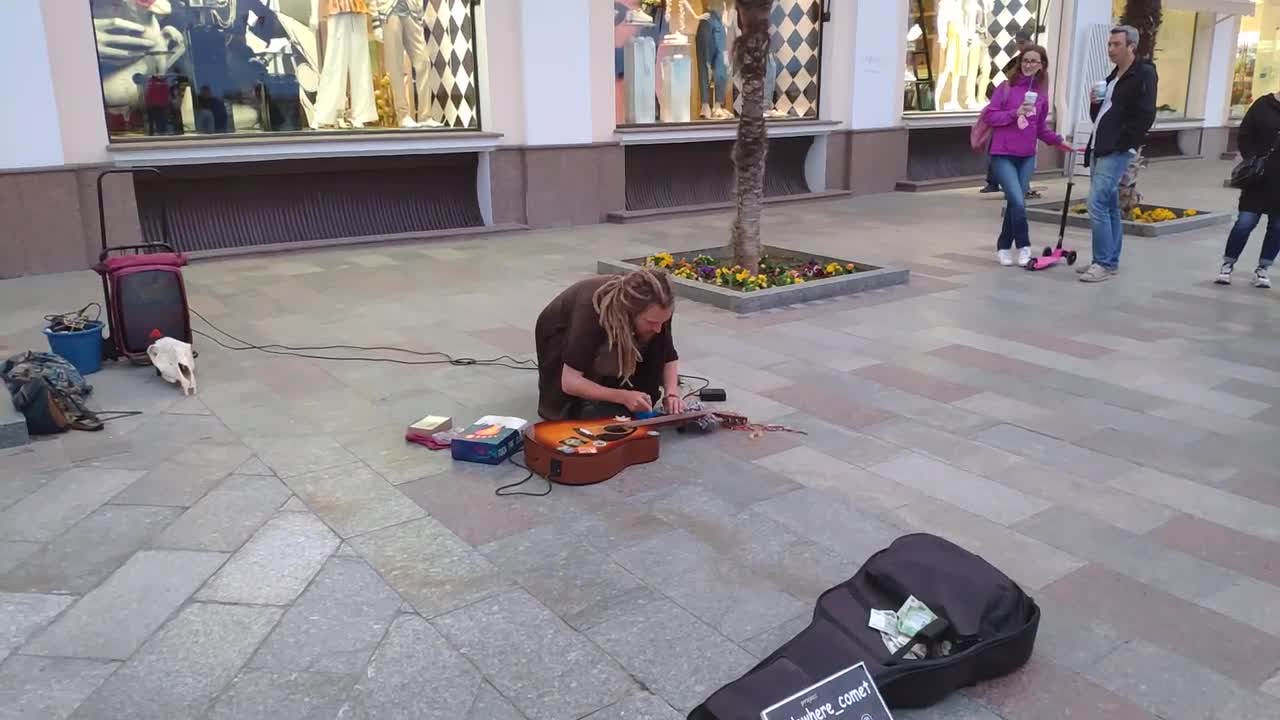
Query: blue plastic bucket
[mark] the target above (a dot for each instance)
(81, 348)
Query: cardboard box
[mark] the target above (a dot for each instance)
(490, 443)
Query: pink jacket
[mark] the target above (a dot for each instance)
(1002, 115)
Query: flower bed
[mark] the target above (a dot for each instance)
(774, 271)
(1150, 215)
(1145, 220)
(786, 277)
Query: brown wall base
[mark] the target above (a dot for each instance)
(49, 219)
(557, 186)
(877, 160)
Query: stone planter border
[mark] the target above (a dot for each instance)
(1051, 212)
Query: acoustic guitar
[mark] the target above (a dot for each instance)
(585, 452)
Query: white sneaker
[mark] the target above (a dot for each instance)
(1024, 256)
(1224, 274)
(408, 122)
(639, 17)
(1261, 279)
(1005, 256)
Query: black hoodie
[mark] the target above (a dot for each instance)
(1132, 112)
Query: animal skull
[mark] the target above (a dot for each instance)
(174, 360)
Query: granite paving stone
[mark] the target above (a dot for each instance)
(762, 645)
(227, 516)
(180, 670)
(289, 456)
(511, 638)
(24, 614)
(1081, 462)
(274, 566)
(1168, 685)
(173, 484)
(672, 653)
(269, 695)
(952, 449)
(954, 707)
(1223, 546)
(852, 533)
(414, 673)
(1216, 641)
(1125, 511)
(574, 587)
(336, 623)
(463, 499)
(1208, 503)
(62, 502)
(429, 566)
(13, 553)
(352, 499)
(1135, 556)
(113, 620)
(490, 705)
(48, 688)
(86, 554)
(641, 706)
(1043, 689)
(1250, 601)
(978, 495)
(864, 489)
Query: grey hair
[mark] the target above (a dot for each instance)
(1130, 34)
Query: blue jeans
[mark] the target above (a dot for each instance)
(1104, 207)
(1239, 235)
(1013, 174)
(712, 43)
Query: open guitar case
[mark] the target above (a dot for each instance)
(988, 622)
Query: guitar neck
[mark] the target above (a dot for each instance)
(667, 419)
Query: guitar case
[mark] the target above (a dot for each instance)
(986, 627)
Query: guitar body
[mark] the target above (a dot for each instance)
(586, 452)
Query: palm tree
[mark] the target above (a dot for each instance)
(751, 56)
(1146, 16)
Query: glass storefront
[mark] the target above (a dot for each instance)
(1257, 66)
(673, 61)
(959, 51)
(182, 68)
(1175, 46)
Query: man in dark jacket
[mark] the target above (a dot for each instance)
(1122, 115)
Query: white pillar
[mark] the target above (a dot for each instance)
(30, 135)
(556, 67)
(1078, 17)
(879, 49)
(1221, 67)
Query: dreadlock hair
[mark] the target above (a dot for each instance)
(619, 301)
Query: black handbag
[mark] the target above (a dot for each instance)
(1251, 169)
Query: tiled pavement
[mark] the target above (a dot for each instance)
(273, 549)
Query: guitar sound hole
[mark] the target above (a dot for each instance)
(610, 437)
(616, 429)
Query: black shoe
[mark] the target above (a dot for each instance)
(990, 189)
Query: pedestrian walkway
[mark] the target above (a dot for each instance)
(272, 548)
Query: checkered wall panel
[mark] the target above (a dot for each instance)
(451, 44)
(1009, 17)
(795, 38)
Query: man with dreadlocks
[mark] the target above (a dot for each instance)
(605, 348)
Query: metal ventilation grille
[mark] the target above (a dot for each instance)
(664, 176)
(254, 204)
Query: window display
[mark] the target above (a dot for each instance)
(217, 67)
(1257, 57)
(1175, 45)
(674, 61)
(958, 51)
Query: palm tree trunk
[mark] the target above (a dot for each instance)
(1146, 16)
(751, 52)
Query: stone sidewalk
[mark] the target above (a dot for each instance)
(273, 549)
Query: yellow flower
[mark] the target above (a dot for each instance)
(1190, 213)
(742, 276)
(663, 260)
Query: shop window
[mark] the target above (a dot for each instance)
(1257, 68)
(959, 51)
(182, 68)
(1175, 46)
(674, 61)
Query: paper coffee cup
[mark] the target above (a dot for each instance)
(1031, 97)
(1100, 90)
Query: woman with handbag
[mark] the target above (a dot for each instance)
(1258, 177)
(1018, 115)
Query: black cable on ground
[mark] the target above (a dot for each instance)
(499, 492)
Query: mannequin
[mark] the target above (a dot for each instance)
(713, 58)
(675, 86)
(951, 41)
(977, 19)
(402, 32)
(346, 57)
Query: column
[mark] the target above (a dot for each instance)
(29, 131)
(556, 65)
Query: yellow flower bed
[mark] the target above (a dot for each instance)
(1138, 215)
(772, 273)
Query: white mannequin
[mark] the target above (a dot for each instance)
(977, 13)
(951, 42)
(346, 57)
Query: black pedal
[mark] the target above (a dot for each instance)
(712, 395)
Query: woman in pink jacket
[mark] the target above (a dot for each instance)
(1018, 115)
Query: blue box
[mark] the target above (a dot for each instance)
(489, 444)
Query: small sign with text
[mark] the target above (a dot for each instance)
(847, 694)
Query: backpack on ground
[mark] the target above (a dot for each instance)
(985, 628)
(49, 392)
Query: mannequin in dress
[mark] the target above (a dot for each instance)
(402, 32)
(977, 15)
(346, 58)
(954, 53)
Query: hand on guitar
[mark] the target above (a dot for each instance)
(673, 404)
(635, 401)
